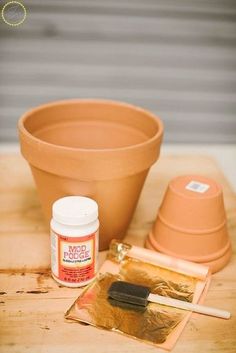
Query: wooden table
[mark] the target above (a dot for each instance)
(33, 305)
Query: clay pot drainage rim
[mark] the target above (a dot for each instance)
(189, 196)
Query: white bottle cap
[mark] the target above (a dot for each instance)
(75, 210)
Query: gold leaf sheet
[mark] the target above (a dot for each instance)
(152, 324)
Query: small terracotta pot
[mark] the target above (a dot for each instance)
(100, 149)
(191, 222)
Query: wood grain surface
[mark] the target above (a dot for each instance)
(32, 305)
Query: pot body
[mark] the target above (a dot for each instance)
(117, 199)
(94, 148)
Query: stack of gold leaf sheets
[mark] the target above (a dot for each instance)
(156, 324)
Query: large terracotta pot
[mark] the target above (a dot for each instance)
(96, 148)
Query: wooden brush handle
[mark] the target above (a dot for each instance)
(155, 298)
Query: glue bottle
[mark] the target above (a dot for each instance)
(74, 240)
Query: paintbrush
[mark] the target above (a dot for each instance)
(135, 294)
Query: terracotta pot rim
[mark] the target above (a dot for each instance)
(176, 192)
(218, 264)
(205, 258)
(188, 230)
(214, 265)
(25, 135)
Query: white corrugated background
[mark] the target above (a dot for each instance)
(174, 57)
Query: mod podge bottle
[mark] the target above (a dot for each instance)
(74, 240)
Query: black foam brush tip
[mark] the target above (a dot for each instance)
(129, 293)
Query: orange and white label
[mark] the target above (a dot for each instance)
(74, 259)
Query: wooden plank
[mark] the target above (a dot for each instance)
(33, 306)
(155, 102)
(200, 5)
(42, 316)
(123, 27)
(107, 71)
(108, 37)
(175, 59)
(133, 93)
(146, 11)
(161, 28)
(180, 85)
(116, 56)
(119, 58)
(148, 51)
